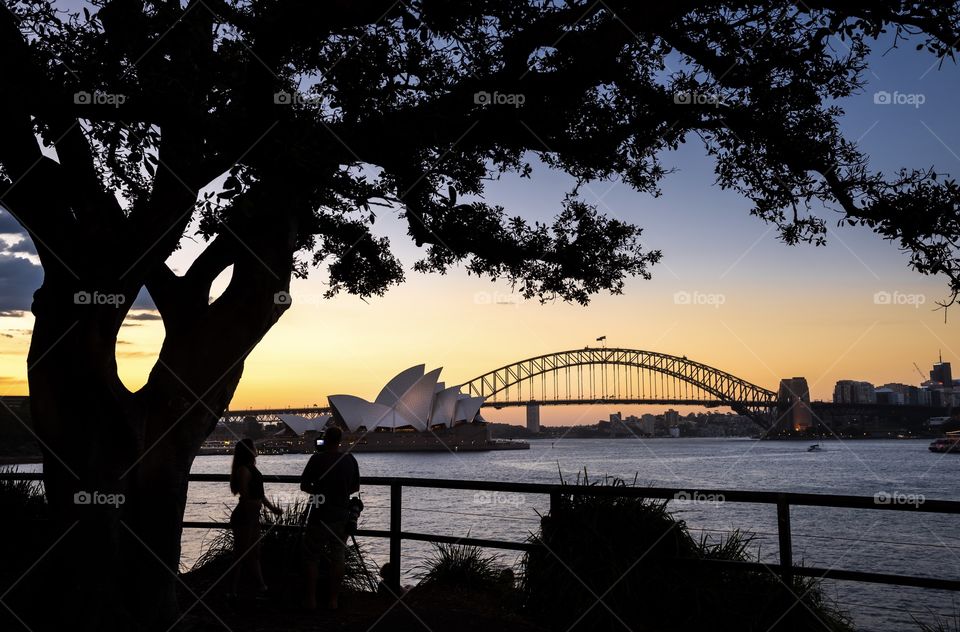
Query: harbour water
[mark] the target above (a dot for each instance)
(867, 540)
(880, 541)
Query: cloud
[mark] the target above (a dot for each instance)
(24, 247)
(144, 301)
(16, 240)
(8, 225)
(19, 279)
(143, 316)
(21, 274)
(7, 381)
(135, 354)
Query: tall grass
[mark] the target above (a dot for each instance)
(939, 623)
(25, 537)
(610, 562)
(462, 567)
(281, 556)
(20, 499)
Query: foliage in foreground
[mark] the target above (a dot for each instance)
(612, 562)
(939, 623)
(20, 499)
(465, 567)
(281, 556)
(25, 536)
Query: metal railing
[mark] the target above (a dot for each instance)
(783, 501)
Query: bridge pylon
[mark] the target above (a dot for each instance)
(533, 417)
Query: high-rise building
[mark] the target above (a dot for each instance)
(649, 424)
(889, 396)
(854, 392)
(942, 374)
(912, 395)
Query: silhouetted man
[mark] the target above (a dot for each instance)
(330, 477)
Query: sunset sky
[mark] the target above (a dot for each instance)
(786, 311)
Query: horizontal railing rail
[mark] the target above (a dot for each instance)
(786, 569)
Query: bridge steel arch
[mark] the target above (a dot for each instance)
(697, 383)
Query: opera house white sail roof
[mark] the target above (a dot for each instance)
(413, 398)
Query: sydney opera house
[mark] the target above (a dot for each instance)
(412, 400)
(414, 411)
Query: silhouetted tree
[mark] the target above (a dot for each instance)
(278, 129)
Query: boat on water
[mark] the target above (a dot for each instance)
(946, 445)
(815, 448)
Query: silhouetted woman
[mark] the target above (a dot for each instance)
(247, 481)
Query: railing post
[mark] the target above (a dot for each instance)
(396, 502)
(786, 541)
(555, 503)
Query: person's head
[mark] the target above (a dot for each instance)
(244, 455)
(332, 438)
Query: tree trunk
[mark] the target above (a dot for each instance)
(116, 463)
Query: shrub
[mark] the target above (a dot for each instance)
(26, 537)
(280, 554)
(463, 567)
(609, 562)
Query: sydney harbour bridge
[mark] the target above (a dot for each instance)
(600, 375)
(595, 375)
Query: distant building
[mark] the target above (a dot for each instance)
(854, 392)
(671, 418)
(911, 395)
(888, 396)
(942, 375)
(941, 386)
(648, 423)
